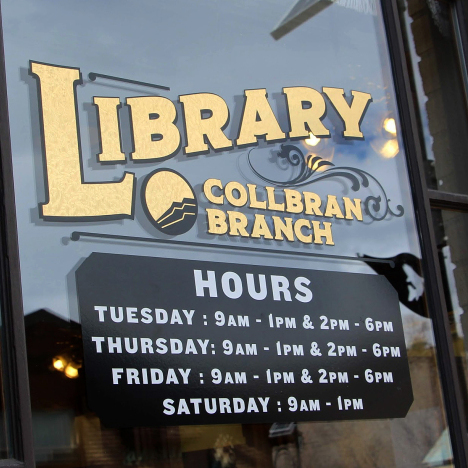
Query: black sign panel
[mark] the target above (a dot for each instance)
(192, 342)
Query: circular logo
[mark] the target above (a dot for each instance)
(170, 202)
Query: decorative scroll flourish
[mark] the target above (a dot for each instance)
(377, 207)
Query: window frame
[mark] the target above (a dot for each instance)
(424, 200)
(15, 368)
(15, 361)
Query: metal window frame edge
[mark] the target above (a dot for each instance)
(432, 273)
(15, 365)
(9, 260)
(460, 17)
(448, 200)
(461, 7)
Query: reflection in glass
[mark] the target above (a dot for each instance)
(433, 51)
(222, 48)
(451, 232)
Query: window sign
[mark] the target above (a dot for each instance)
(206, 342)
(215, 197)
(271, 199)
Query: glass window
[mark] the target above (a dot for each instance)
(201, 187)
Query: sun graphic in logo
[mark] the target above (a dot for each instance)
(170, 202)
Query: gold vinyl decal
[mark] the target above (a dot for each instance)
(170, 202)
(157, 127)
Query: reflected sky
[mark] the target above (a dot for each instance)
(205, 46)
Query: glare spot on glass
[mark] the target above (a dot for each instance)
(390, 149)
(67, 366)
(58, 363)
(71, 371)
(312, 140)
(315, 165)
(389, 126)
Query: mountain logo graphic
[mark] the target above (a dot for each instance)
(170, 202)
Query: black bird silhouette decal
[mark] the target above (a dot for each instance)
(405, 275)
